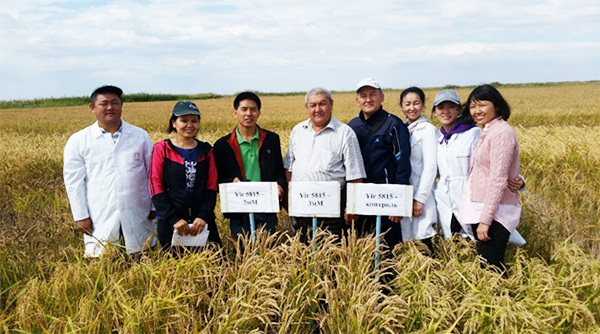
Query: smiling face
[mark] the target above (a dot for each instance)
(369, 100)
(107, 108)
(447, 113)
(412, 106)
(319, 109)
(247, 114)
(483, 111)
(187, 126)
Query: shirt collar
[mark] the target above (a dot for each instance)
(241, 139)
(333, 125)
(492, 122)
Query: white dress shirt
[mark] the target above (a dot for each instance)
(108, 182)
(332, 154)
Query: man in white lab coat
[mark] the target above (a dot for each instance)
(105, 173)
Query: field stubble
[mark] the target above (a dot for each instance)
(552, 286)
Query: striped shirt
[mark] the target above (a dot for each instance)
(332, 154)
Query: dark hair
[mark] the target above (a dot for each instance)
(415, 90)
(104, 90)
(170, 128)
(464, 115)
(246, 96)
(488, 93)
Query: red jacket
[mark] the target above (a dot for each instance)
(167, 184)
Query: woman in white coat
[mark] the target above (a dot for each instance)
(456, 143)
(457, 140)
(423, 147)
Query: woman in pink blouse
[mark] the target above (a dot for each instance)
(487, 204)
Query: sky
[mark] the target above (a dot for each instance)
(68, 48)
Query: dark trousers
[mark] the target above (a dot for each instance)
(240, 224)
(165, 233)
(494, 249)
(455, 226)
(393, 232)
(337, 226)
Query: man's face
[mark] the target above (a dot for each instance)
(369, 100)
(107, 108)
(247, 114)
(319, 109)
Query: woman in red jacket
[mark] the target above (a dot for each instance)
(488, 204)
(183, 179)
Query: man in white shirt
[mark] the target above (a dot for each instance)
(105, 174)
(324, 149)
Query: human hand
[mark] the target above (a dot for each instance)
(417, 208)
(182, 227)
(396, 219)
(482, 232)
(515, 184)
(236, 179)
(349, 217)
(152, 214)
(280, 192)
(85, 226)
(197, 226)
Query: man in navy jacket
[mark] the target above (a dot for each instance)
(385, 145)
(250, 153)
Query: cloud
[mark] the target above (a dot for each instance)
(227, 46)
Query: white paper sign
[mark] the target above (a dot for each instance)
(379, 199)
(190, 240)
(314, 199)
(246, 197)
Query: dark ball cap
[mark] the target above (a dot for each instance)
(107, 89)
(182, 108)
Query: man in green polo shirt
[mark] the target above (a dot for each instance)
(250, 153)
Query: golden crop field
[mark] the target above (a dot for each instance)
(552, 284)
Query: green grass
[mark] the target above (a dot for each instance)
(147, 97)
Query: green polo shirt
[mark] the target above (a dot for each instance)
(249, 150)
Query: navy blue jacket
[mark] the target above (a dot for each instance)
(385, 145)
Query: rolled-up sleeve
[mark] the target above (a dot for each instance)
(353, 161)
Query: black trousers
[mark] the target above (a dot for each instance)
(494, 249)
(337, 226)
(455, 226)
(366, 225)
(240, 225)
(165, 233)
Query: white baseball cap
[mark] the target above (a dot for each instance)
(368, 82)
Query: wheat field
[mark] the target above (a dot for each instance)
(280, 285)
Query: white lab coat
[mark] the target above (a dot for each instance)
(454, 163)
(109, 184)
(423, 164)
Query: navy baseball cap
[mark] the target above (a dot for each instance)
(185, 108)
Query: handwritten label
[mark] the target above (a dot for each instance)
(379, 199)
(314, 199)
(249, 197)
